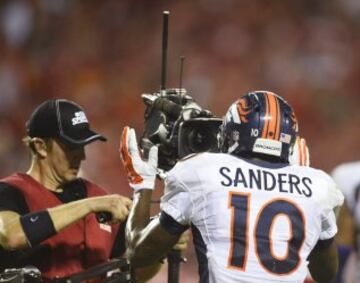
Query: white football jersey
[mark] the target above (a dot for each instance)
(252, 221)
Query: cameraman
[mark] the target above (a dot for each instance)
(47, 215)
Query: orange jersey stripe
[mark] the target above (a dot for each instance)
(133, 177)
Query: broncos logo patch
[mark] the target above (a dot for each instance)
(243, 110)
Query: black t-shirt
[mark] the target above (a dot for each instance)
(13, 199)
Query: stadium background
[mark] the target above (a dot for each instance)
(104, 54)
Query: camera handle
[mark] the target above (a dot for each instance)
(174, 259)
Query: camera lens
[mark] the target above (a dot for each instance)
(200, 139)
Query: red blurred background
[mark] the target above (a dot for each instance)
(105, 54)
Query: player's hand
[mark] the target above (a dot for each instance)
(182, 244)
(300, 155)
(119, 206)
(141, 173)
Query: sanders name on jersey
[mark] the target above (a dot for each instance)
(266, 180)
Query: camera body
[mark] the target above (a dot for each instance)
(198, 135)
(178, 125)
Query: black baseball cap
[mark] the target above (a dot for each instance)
(64, 120)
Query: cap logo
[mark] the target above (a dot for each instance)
(79, 118)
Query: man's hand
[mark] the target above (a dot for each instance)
(141, 174)
(119, 206)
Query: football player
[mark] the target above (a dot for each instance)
(254, 217)
(347, 177)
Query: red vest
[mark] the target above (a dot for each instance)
(77, 247)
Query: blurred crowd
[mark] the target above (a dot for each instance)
(105, 54)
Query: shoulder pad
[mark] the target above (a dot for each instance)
(187, 157)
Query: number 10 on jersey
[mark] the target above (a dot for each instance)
(240, 204)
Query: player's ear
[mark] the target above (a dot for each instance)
(40, 147)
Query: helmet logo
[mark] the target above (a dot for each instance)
(243, 110)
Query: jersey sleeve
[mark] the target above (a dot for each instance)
(176, 202)
(331, 204)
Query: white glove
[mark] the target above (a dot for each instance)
(300, 154)
(141, 174)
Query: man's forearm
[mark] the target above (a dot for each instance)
(16, 231)
(64, 215)
(147, 241)
(139, 216)
(12, 236)
(20, 231)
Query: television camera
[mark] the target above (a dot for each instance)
(178, 125)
